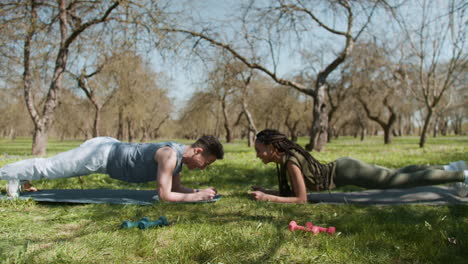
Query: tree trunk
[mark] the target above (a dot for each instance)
(318, 134)
(120, 129)
(252, 128)
(292, 129)
(457, 125)
(145, 135)
(331, 134)
(227, 126)
(251, 139)
(131, 132)
(228, 133)
(12, 135)
(39, 145)
(363, 133)
(422, 139)
(387, 134)
(445, 128)
(97, 121)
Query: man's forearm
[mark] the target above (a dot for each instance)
(183, 189)
(179, 196)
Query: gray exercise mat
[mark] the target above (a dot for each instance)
(139, 197)
(418, 195)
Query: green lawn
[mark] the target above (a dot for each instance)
(237, 229)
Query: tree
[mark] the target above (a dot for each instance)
(437, 42)
(96, 96)
(298, 14)
(137, 98)
(245, 83)
(199, 116)
(74, 116)
(156, 111)
(223, 83)
(38, 24)
(377, 82)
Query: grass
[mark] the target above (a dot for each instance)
(237, 229)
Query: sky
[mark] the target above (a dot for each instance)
(186, 78)
(185, 81)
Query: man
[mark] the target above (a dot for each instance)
(124, 161)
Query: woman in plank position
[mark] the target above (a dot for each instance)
(297, 167)
(123, 161)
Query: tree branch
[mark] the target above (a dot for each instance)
(244, 60)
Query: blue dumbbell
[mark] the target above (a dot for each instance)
(130, 224)
(162, 221)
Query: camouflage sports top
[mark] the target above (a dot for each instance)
(317, 177)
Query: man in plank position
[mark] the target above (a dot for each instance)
(130, 162)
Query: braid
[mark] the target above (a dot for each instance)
(283, 144)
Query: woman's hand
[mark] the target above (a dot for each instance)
(258, 188)
(258, 195)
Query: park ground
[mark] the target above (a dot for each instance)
(236, 229)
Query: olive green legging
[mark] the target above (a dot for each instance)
(350, 171)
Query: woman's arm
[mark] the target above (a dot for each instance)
(299, 187)
(258, 188)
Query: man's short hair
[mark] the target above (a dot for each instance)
(210, 146)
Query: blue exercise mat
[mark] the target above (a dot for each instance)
(139, 197)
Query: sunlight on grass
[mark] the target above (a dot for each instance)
(236, 229)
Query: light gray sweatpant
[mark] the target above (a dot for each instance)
(90, 157)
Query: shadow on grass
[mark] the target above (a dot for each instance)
(373, 229)
(415, 226)
(62, 228)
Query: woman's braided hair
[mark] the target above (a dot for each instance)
(283, 144)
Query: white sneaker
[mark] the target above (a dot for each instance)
(13, 188)
(456, 166)
(461, 189)
(459, 165)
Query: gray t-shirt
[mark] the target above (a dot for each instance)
(134, 162)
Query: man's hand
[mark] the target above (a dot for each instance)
(206, 194)
(211, 188)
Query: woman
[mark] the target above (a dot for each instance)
(296, 166)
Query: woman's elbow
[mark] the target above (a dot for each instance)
(302, 200)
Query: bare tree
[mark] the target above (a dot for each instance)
(93, 94)
(377, 82)
(74, 115)
(137, 99)
(252, 128)
(40, 22)
(223, 82)
(294, 12)
(337, 93)
(438, 50)
(199, 116)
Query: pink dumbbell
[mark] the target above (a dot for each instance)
(293, 226)
(317, 229)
